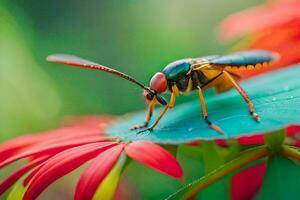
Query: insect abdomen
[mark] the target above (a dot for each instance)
(253, 59)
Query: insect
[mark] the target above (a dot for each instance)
(184, 76)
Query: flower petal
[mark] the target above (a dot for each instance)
(90, 121)
(16, 175)
(107, 188)
(259, 18)
(44, 138)
(95, 173)
(11, 147)
(251, 140)
(155, 157)
(31, 175)
(62, 164)
(292, 130)
(246, 183)
(51, 149)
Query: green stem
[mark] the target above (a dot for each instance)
(241, 160)
(290, 152)
(211, 157)
(274, 140)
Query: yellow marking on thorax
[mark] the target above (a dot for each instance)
(211, 73)
(200, 67)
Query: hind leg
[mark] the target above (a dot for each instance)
(244, 95)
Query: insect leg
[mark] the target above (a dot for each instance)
(167, 107)
(204, 110)
(244, 95)
(148, 117)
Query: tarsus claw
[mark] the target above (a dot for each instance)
(138, 126)
(144, 130)
(213, 126)
(255, 116)
(216, 128)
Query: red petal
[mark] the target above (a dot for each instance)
(99, 122)
(51, 149)
(62, 164)
(194, 143)
(32, 174)
(259, 18)
(16, 175)
(292, 130)
(62, 134)
(11, 147)
(68, 138)
(251, 140)
(221, 142)
(259, 139)
(245, 184)
(93, 176)
(155, 157)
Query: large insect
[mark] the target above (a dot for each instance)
(184, 76)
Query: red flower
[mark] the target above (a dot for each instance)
(273, 26)
(56, 153)
(245, 184)
(292, 133)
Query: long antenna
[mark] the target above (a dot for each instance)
(83, 63)
(80, 62)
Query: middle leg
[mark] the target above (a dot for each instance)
(203, 105)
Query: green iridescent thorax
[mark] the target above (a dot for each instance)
(177, 69)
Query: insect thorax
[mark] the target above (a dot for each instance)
(188, 82)
(179, 73)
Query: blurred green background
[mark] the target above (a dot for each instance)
(135, 37)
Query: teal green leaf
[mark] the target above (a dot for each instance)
(281, 181)
(275, 96)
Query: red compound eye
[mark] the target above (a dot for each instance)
(158, 82)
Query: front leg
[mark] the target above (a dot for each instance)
(148, 117)
(168, 106)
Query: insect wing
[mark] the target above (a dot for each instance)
(209, 58)
(251, 58)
